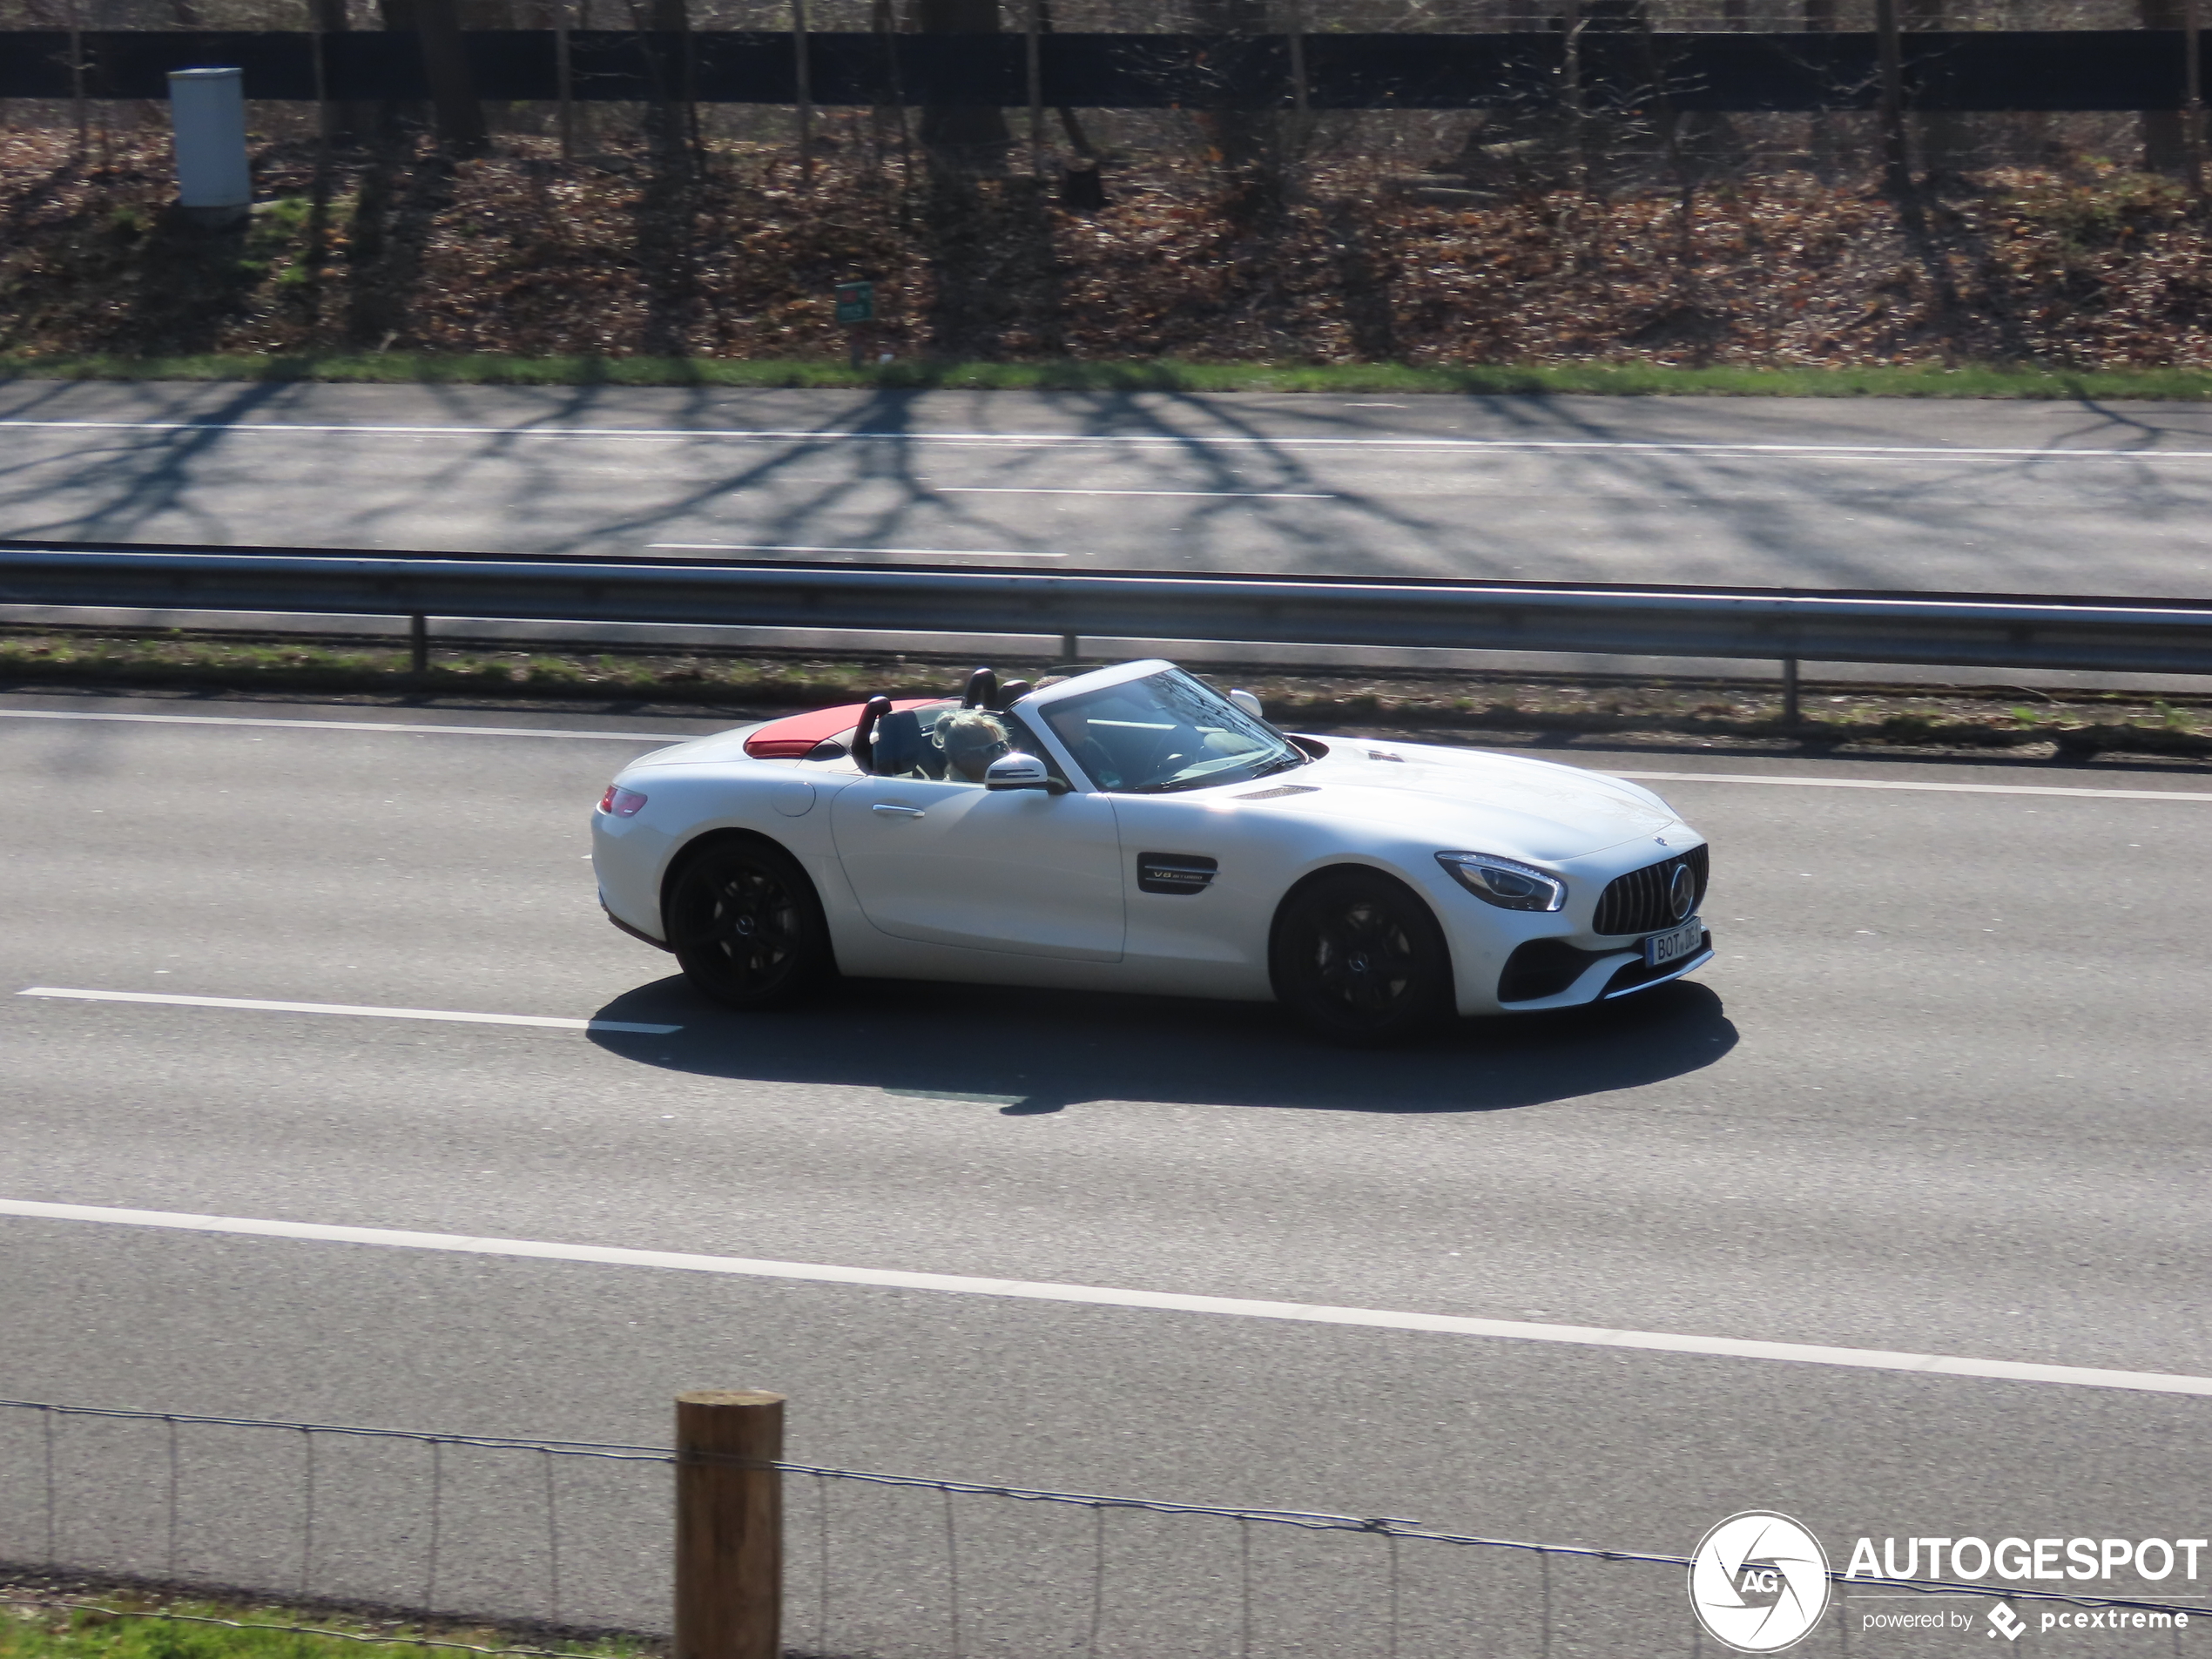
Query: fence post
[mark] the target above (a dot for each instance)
(729, 1525)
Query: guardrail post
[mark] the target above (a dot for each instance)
(418, 640)
(1067, 643)
(729, 1525)
(1791, 713)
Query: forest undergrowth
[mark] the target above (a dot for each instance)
(398, 250)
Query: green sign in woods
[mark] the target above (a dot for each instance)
(856, 302)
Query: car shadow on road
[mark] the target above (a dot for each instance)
(1029, 1052)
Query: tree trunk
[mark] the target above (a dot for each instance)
(1897, 158)
(1942, 132)
(344, 121)
(445, 65)
(2165, 133)
(961, 135)
(1820, 126)
(669, 116)
(1242, 136)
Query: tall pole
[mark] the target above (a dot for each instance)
(729, 1525)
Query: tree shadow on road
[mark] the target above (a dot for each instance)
(1031, 1052)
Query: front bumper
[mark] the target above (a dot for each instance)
(1552, 974)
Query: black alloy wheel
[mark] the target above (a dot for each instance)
(1360, 958)
(746, 927)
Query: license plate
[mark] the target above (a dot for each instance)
(1685, 940)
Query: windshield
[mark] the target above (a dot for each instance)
(1167, 731)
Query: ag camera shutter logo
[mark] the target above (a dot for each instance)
(1758, 1582)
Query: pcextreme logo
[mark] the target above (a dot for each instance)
(1758, 1582)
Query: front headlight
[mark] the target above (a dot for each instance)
(1505, 883)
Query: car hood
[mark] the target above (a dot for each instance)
(1472, 799)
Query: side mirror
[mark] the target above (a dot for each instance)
(1247, 702)
(1021, 772)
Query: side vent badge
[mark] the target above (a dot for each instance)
(1174, 873)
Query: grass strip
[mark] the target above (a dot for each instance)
(1158, 374)
(2077, 723)
(44, 1621)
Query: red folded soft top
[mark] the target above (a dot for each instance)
(796, 735)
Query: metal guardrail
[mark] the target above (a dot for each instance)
(1934, 629)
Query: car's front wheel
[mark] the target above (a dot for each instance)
(745, 925)
(1361, 960)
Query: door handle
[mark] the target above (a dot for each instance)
(890, 810)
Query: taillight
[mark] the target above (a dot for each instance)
(623, 803)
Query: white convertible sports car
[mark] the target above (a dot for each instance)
(1132, 829)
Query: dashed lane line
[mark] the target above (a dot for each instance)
(259, 1005)
(1155, 1301)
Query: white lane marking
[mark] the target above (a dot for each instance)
(1204, 494)
(350, 725)
(261, 1006)
(686, 736)
(1140, 440)
(1098, 1296)
(926, 552)
(1884, 783)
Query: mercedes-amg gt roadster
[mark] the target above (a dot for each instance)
(1132, 829)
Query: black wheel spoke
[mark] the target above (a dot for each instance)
(1368, 963)
(745, 926)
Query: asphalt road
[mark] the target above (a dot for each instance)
(2056, 497)
(1941, 1093)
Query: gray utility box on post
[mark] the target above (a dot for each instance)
(207, 108)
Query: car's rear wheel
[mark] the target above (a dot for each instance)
(1361, 960)
(745, 925)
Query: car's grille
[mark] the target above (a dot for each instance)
(1637, 902)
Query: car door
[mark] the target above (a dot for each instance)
(1016, 870)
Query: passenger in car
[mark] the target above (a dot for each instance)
(970, 741)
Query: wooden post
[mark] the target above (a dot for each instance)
(729, 1525)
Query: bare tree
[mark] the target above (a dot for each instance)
(961, 135)
(2165, 131)
(437, 25)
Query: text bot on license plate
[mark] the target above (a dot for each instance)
(1685, 940)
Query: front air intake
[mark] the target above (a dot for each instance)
(1638, 902)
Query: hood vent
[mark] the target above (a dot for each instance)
(1280, 791)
